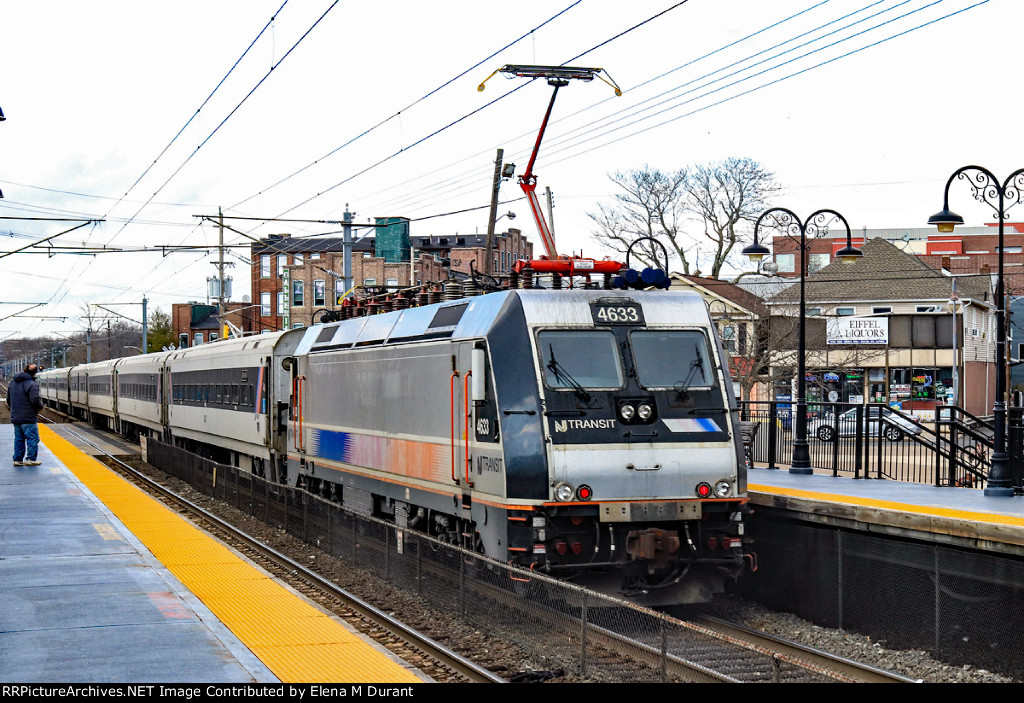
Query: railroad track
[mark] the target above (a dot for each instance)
(392, 633)
(840, 668)
(704, 650)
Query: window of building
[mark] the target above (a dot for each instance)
(265, 304)
(369, 281)
(314, 255)
(392, 281)
(214, 336)
(319, 292)
(881, 310)
(339, 290)
(729, 338)
(280, 301)
(928, 308)
(297, 259)
(297, 325)
(813, 311)
(786, 262)
(845, 312)
(282, 261)
(816, 262)
(298, 290)
(197, 339)
(264, 266)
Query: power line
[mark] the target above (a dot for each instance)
(478, 110)
(407, 107)
(229, 116)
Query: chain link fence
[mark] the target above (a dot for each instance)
(556, 625)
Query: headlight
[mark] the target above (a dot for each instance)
(627, 411)
(564, 492)
(644, 411)
(722, 489)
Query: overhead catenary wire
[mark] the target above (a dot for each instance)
(397, 114)
(478, 110)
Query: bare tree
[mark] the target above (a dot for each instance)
(719, 197)
(723, 196)
(651, 205)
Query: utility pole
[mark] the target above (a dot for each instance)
(347, 250)
(220, 268)
(145, 328)
(488, 252)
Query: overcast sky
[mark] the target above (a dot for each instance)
(864, 107)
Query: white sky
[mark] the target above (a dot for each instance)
(93, 92)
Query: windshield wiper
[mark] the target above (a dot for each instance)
(683, 387)
(564, 376)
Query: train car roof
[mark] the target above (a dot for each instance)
(221, 346)
(474, 316)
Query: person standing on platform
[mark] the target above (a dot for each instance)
(25, 404)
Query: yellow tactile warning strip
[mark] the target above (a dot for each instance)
(891, 505)
(295, 640)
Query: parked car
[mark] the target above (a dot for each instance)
(893, 429)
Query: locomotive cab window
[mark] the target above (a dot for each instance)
(674, 359)
(574, 359)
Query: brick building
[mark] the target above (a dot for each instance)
(315, 266)
(198, 323)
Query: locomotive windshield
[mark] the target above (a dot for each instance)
(672, 359)
(580, 359)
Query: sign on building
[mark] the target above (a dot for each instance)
(858, 330)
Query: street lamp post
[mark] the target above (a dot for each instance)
(817, 225)
(1002, 197)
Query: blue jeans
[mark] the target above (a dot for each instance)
(26, 437)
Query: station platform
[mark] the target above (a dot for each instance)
(99, 582)
(956, 516)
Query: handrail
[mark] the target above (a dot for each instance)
(465, 433)
(455, 375)
(298, 438)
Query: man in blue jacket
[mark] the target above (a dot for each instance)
(25, 404)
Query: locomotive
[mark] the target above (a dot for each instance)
(588, 434)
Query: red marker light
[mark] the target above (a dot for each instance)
(703, 490)
(584, 492)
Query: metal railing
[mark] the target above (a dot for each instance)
(874, 440)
